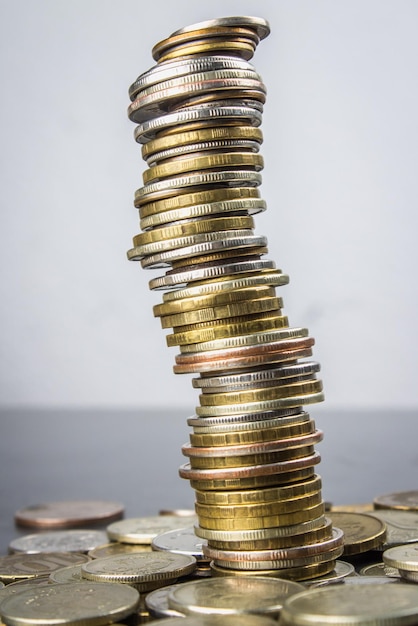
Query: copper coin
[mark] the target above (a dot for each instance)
(402, 500)
(68, 514)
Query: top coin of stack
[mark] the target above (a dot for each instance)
(252, 451)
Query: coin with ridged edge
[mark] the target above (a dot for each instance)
(70, 603)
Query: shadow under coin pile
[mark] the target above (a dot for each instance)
(252, 451)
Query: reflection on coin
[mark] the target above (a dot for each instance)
(402, 500)
(68, 514)
(362, 532)
(70, 603)
(379, 569)
(376, 604)
(157, 603)
(114, 547)
(401, 526)
(58, 541)
(16, 567)
(181, 541)
(232, 595)
(144, 529)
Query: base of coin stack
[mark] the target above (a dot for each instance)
(251, 454)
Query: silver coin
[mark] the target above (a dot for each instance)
(170, 186)
(146, 107)
(179, 67)
(246, 114)
(244, 101)
(170, 245)
(258, 376)
(258, 24)
(58, 541)
(157, 603)
(175, 278)
(401, 526)
(251, 420)
(254, 339)
(236, 239)
(260, 385)
(341, 571)
(248, 206)
(204, 148)
(278, 422)
(379, 569)
(180, 541)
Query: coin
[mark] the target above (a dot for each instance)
(249, 482)
(265, 433)
(341, 571)
(115, 547)
(379, 569)
(14, 567)
(181, 541)
(402, 557)
(232, 595)
(352, 604)
(401, 526)
(402, 500)
(307, 572)
(140, 568)
(142, 530)
(58, 541)
(362, 532)
(157, 603)
(69, 514)
(259, 25)
(261, 534)
(71, 574)
(70, 603)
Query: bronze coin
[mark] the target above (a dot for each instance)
(68, 514)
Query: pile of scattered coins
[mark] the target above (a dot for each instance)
(150, 569)
(252, 450)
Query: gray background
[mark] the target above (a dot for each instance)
(341, 145)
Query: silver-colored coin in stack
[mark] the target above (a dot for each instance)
(251, 454)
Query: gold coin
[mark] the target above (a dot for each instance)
(263, 509)
(332, 555)
(213, 299)
(193, 198)
(218, 323)
(246, 340)
(253, 250)
(266, 446)
(219, 133)
(249, 460)
(218, 160)
(248, 496)
(266, 521)
(195, 227)
(227, 330)
(242, 47)
(256, 407)
(261, 395)
(222, 311)
(293, 573)
(250, 436)
(249, 482)
(362, 532)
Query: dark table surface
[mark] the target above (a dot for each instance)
(133, 456)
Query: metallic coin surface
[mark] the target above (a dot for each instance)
(401, 526)
(341, 571)
(402, 500)
(115, 547)
(71, 574)
(157, 603)
(259, 25)
(402, 557)
(361, 532)
(372, 605)
(379, 569)
(58, 541)
(71, 604)
(181, 541)
(14, 567)
(232, 595)
(141, 567)
(69, 514)
(143, 529)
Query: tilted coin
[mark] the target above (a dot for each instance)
(379, 569)
(402, 500)
(143, 529)
(197, 117)
(401, 526)
(265, 433)
(261, 534)
(341, 571)
(259, 25)
(115, 547)
(402, 557)
(187, 150)
(260, 394)
(157, 603)
(362, 532)
(259, 509)
(242, 341)
(257, 406)
(58, 541)
(136, 569)
(248, 482)
(181, 541)
(232, 595)
(68, 514)
(70, 604)
(20, 566)
(243, 421)
(257, 376)
(352, 604)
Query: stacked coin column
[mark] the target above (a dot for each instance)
(252, 450)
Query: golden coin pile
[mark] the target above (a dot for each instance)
(252, 451)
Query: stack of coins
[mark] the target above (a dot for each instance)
(252, 451)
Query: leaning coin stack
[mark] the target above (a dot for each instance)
(251, 453)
